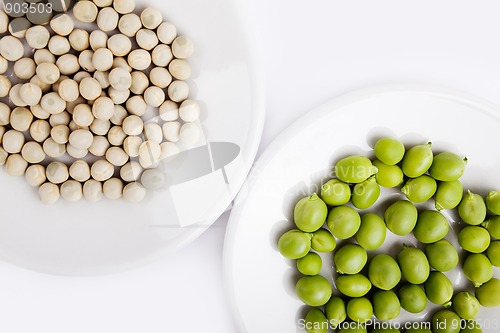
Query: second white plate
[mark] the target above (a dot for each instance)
(260, 281)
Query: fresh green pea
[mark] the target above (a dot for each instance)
(493, 253)
(414, 265)
(350, 259)
(294, 244)
(431, 227)
(372, 232)
(472, 209)
(401, 217)
(417, 160)
(448, 194)
(313, 290)
(310, 264)
(343, 222)
(386, 305)
(323, 241)
(447, 166)
(335, 192)
(470, 326)
(493, 202)
(412, 298)
(466, 305)
(477, 268)
(388, 175)
(310, 213)
(335, 311)
(359, 309)
(356, 285)
(446, 321)
(389, 151)
(419, 189)
(418, 330)
(366, 193)
(384, 272)
(489, 293)
(315, 321)
(354, 169)
(439, 289)
(493, 226)
(353, 328)
(442, 255)
(474, 239)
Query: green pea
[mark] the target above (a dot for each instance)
(439, 289)
(343, 222)
(335, 311)
(466, 305)
(335, 192)
(354, 169)
(323, 241)
(401, 217)
(386, 305)
(417, 160)
(493, 226)
(418, 330)
(359, 309)
(442, 255)
(474, 239)
(477, 268)
(310, 213)
(493, 253)
(294, 244)
(470, 326)
(472, 209)
(493, 202)
(489, 293)
(446, 321)
(366, 193)
(313, 290)
(412, 298)
(448, 194)
(372, 232)
(447, 167)
(431, 227)
(389, 151)
(350, 259)
(310, 264)
(419, 189)
(414, 265)
(388, 175)
(384, 272)
(356, 285)
(315, 321)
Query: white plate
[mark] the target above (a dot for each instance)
(260, 281)
(87, 239)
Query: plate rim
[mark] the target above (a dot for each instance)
(331, 105)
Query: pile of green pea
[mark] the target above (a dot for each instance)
(384, 284)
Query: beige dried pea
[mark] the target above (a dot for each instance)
(71, 191)
(35, 175)
(49, 193)
(92, 190)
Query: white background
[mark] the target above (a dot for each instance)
(313, 51)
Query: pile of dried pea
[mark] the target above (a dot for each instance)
(87, 93)
(379, 287)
